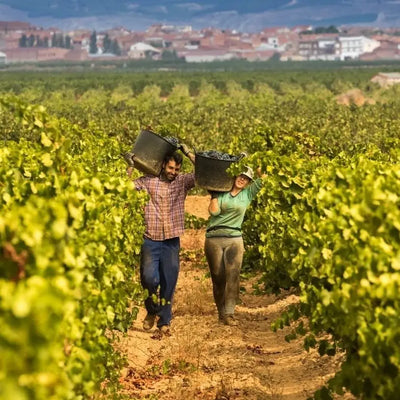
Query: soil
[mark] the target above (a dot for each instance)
(203, 359)
(354, 96)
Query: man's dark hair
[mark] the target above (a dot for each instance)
(177, 157)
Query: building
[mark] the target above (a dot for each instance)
(381, 53)
(14, 26)
(386, 79)
(10, 40)
(3, 58)
(51, 53)
(389, 49)
(21, 55)
(291, 55)
(301, 28)
(142, 50)
(256, 55)
(77, 54)
(125, 42)
(213, 39)
(352, 47)
(319, 47)
(35, 54)
(207, 55)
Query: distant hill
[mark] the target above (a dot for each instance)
(250, 15)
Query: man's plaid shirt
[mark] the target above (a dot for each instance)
(164, 214)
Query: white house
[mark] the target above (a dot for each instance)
(208, 55)
(142, 50)
(270, 45)
(351, 47)
(272, 42)
(3, 58)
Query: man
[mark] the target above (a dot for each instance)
(164, 222)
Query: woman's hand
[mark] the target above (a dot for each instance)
(259, 173)
(213, 207)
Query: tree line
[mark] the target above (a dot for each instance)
(55, 40)
(65, 41)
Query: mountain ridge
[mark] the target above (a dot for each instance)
(249, 16)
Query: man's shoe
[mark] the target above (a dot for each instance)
(164, 330)
(230, 320)
(148, 322)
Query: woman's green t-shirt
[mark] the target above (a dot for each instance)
(227, 221)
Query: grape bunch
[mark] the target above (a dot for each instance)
(216, 155)
(172, 140)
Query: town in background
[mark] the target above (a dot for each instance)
(21, 42)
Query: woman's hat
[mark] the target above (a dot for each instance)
(249, 173)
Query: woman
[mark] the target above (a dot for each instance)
(224, 244)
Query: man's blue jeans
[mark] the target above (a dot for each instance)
(159, 267)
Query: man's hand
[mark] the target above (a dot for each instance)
(129, 158)
(187, 152)
(185, 149)
(129, 171)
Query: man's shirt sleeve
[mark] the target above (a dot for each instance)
(189, 181)
(140, 183)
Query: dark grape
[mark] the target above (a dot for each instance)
(174, 141)
(218, 155)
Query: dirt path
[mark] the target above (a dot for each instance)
(203, 359)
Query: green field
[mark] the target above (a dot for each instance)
(325, 224)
